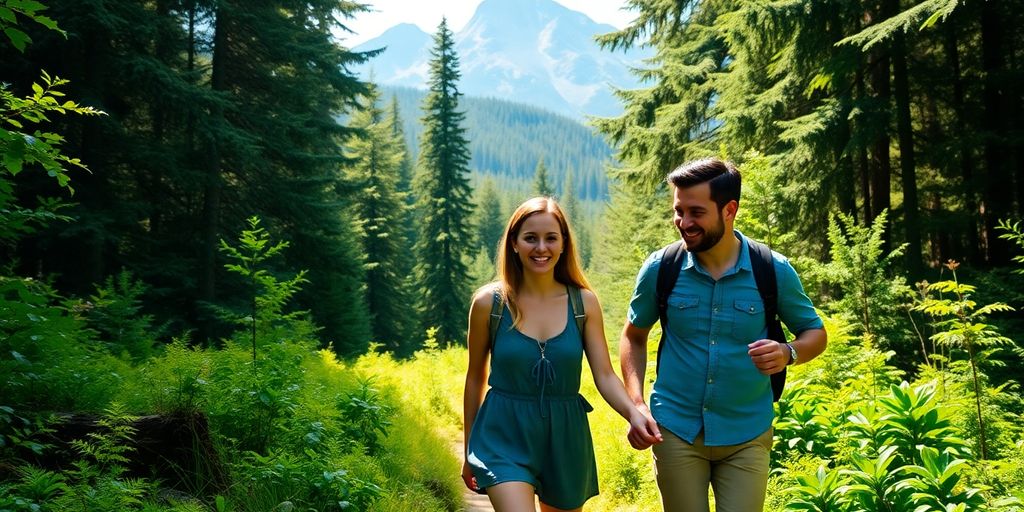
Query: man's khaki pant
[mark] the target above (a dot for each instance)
(738, 474)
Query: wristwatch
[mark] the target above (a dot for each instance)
(792, 354)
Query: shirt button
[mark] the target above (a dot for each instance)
(751, 309)
(710, 381)
(712, 342)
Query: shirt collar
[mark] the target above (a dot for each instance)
(742, 263)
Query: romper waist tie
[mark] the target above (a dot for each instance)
(544, 373)
(548, 398)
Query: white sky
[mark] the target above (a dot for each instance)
(427, 15)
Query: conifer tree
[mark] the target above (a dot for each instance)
(541, 182)
(490, 218)
(571, 205)
(380, 210)
(444, 204)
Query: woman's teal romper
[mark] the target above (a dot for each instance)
(532, 426)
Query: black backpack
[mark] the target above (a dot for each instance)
(767, 287)
(575, 300)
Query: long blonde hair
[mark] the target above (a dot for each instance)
(568, 269)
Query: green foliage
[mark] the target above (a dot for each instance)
(30, 9)
(49, 360)
(18, 433)
(541, 182)
(935, 483)
(490, 218)
(365, 419)
(481, 269)
(115, 313)
(824, 491)
(1014, 233)
(577, 220)
(22, 147)
(444, 204)
(960, 325)
(268, 294)
(506, 140)
(634, 225)
(37, 147)
(33, 489)
(869, 294)
(380, 210)
(762, 204)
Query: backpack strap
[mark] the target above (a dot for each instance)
(497, 310)
(668, 272)
(579, 313)
(763, 266)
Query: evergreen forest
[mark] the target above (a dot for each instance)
(235, 277)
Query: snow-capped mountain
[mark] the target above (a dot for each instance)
(530, 51)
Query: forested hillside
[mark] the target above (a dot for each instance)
(507, 140)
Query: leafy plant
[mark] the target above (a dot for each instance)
(875, 485)
(802, 426)
(824, 491)
(365, 417)
(961, 325)
(115, 313)
(935, 484)
(914, 418)
(871, 297)
(1013, 232)
(268, 294)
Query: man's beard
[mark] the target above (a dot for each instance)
(708, 239)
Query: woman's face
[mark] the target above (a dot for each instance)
(539, 243)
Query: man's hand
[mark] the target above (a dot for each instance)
(769, 356)
(643, 430)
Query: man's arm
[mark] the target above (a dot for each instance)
(633, 360)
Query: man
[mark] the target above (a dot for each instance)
(712, 397)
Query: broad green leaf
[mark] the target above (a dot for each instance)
(18, 38)
(7, 15)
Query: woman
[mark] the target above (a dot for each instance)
(531, 435)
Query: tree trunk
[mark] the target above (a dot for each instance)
(881, 171)
(998, 197)
(863, 162)
(908, 170)
(212, 185)
(966, 160)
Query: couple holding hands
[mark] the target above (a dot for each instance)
(709, 418)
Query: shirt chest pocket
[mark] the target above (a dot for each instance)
(682, 313)
(748, 319)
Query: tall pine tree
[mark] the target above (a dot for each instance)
(444, 204)
(380, 210)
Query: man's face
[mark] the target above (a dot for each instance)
(697, 217)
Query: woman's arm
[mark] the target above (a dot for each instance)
(479, 343)
(643, 430)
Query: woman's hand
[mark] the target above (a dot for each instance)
(643, 430)
(468, 478)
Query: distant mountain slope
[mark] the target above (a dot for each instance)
(535, 52)
(507, 139)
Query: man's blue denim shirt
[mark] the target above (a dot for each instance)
(706, 380)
